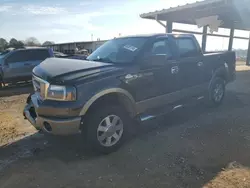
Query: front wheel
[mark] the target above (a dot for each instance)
(216, 92)
(106, 128)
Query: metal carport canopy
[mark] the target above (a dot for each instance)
(231, 14)
(234, 13)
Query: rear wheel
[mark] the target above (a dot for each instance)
(106, 128)
(216, 92)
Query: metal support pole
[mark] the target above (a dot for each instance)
(248, 53)
(231, 38)
(169, 27)
(204, 39)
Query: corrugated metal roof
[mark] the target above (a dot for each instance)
(231, 13)
(151, 15)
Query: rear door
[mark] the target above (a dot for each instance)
(191, 66)
(16, 65)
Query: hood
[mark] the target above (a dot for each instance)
(58, 69)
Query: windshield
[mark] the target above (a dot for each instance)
(2, 55)
(122, 50)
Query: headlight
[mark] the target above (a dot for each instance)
(61, 93)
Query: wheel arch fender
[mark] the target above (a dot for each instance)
(125, 98)
(221, 72)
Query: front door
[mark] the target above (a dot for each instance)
(16, 65)
(157, 76)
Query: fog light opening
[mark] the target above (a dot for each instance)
(33, 112)
(47, 126)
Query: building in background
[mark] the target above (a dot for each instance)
(73, 47)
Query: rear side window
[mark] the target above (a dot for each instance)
(187, 47)
(28, 55)
(39, 54)
(18, 56)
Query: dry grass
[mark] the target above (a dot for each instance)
(8, 130)
(235, 176)
(241, 66)
(12, 124)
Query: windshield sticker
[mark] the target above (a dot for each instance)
(130, 48)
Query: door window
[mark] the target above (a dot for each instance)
(18, 56)
(38, 54)
(161, 47)
(187, 47)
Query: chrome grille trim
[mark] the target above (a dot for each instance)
(40, 86)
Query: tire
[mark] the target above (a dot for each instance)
(106, 128)
(216, 92)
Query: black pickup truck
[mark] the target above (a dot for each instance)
(128, 78)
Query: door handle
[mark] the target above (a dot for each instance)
(200, 64)
(175, 70)
(26, 64)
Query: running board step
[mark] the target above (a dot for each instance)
(162, 111)
(145, 118)
(150, 116)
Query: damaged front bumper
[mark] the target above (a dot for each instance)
(52, 125)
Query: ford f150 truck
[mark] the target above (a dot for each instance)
(128, 78)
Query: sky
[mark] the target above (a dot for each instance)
(81, 20)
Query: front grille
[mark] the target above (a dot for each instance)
(40, 86)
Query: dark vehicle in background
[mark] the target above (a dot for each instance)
(59, 54)
(83, 53)
(126, 79)
(6, 51)
(16, 65)
(70, 56)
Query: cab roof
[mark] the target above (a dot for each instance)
(158, 35)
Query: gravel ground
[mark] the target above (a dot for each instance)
(192, 147)
(12, 124)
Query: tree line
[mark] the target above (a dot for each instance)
(14, 43)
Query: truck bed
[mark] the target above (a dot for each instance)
(227, 57)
